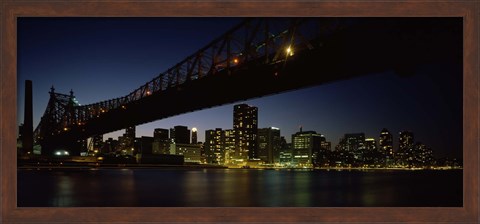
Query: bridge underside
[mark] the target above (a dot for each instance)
(370, 47)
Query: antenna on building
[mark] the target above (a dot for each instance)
(300, 128)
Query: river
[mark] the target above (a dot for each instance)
(238, 188)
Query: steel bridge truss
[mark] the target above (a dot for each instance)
(252, 42)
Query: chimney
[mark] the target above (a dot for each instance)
(28, 119)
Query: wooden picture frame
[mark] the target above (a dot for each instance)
(11, 10)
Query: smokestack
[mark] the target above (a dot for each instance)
(28, 119)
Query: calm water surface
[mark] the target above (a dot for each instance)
(238, 188)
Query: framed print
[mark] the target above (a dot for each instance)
(239, 112)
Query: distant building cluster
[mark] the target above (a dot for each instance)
(246, 145)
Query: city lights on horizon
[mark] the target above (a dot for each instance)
(149, 133)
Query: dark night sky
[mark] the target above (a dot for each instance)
(104, 58)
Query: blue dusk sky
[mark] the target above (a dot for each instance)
(105, 58)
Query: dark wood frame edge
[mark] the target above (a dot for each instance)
(10, 10)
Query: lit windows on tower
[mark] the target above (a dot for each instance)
(194, 135)
(214, 146)
(406, 148)
(268, 143)
(386, 146)
(245, 128)
(306, 148)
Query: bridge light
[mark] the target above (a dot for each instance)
(289, 51)
(235, 60)
(65, 129)
(148, 92)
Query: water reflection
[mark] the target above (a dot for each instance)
(64, 192)
(79, 188)
(237, 188)
(302, 189)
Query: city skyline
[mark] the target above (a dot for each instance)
(421, 103)
(396, 137)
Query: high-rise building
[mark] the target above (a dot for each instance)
(268, 143)
(422, 156)
(180, 134)
(371, 155)
(386, 146)
(245, 125)
(305, 147)
(109, 146)
(161, 142)
(356, 146)
(405, 148)
(143, 145)
(326, 145)
(284, 149)
(130, 132)
(355, 141)
(285, 155)
(229, 146)
(126, 141)
(160, 134)
(406, 140)
(350, 149)
(194, 135)
(370, 144)
(214, 146)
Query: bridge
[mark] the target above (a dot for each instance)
(258, 57)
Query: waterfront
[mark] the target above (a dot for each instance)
(238, 188)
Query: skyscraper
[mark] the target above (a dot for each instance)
(245, 125)
(160, 133)
(194, 135)
(285, 154)
(405, 147)
(354, 142)
(143, 146)
(180, 134)
(406, 140)
(161, 142)
(268, 143)
(422, 156)
(126, 141)
(229, 146)
(386, 146)
(130, 132)
(109, 145)
(305, 147)
(214, 146)
(371, 155)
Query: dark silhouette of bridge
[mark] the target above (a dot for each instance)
(260, 56)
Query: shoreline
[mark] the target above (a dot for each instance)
(206, 166)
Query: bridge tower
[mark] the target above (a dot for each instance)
(59, 119)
